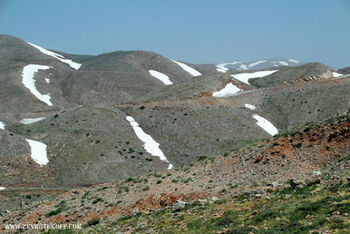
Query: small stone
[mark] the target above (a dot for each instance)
(313, 178)
(275, 184)
(202, 201)
(179, 205)
(213, 199)
(269, 190)
(294, 183)
(135, 212)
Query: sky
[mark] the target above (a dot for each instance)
(197, 31)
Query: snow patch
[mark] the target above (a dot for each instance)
(160, 76)
(187, 68)
(72, 64)
(266, 125)
(257, 63)
(38, 152)
(29, 82)
(249, 106)
(47, 80)
(293, 61)
(244, 77)
(283, 63)
(31, 121)
(2, 125)
(150, 145)
(2, 188)
(243, 67)
(336, 74)
(229, 90)
(222, 66)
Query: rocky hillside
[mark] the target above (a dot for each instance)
(310, 71)
(298, 180)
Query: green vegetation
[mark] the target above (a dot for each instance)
(311, 209)
(60, 207)
(93, 222)
(97, 200)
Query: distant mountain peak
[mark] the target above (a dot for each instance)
(257, 64)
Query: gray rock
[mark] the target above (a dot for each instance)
(203, 201)
(294, 183)
(179, 205)
(135, 212)
(275, 184)
(313, 178)
(214, 199)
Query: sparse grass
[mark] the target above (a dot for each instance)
(97, 200)
(54, 212)
(303, 211)
(297, 145)
(93, 222)
(86, 193)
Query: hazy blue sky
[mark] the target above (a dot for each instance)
(197, 31)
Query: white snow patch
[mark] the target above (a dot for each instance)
(2, 188)
(221, 69)
(47, 80)
(222, 66)
(229, 90)
(244, 77)
(293, 61)
(283, 63)
(187, 68)
(266, 125)
(249, 106)
(30, 121)
(72, 64)
(2, 125)
(150, 145)
(38, 152)
(336, 74)
(257, 63)
(29, 82)
(243, 67)
(160, 76)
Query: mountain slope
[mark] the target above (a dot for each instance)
(310, 71)
(243, 182)
(211, 114)
(86, 145)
